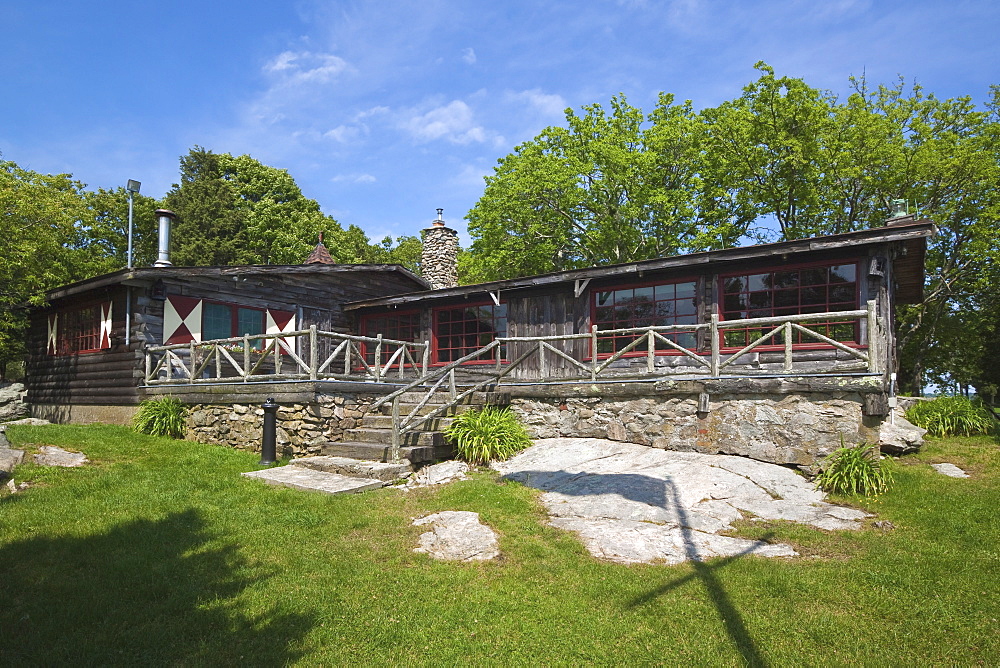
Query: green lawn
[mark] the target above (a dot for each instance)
(161, 553)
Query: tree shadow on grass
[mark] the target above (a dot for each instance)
(149, 592)
(661, 494)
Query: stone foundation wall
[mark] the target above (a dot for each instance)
(301, 430)
(795, 429)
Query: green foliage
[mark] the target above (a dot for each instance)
(952, 416)
(486, 435)
(235, 210)
(607, 188)
(624, 186)
(164, 416)
(858, 470)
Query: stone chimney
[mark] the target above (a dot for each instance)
(439, 260)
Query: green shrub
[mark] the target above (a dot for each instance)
(481, 436)
(952, 416)
(859, 470)
(165, 416)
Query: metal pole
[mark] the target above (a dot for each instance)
(129, 229)
(268, 454)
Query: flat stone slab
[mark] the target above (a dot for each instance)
(357, 468)
(29, 421)
(439, 474)
(457, 535)
(50, 455)
(634, 504)
(949, 470)
(300, 477)
(9, 458)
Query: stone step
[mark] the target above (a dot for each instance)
(300, 477)
(356, 468)
(439, 397)
(406, 409)
(379, 452)
(384, 436)
(385, 422)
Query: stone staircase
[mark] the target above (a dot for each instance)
(372, 439)
(361, 461)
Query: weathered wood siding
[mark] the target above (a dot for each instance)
(113, 376)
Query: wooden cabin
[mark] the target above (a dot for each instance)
(87, 347)
(682, 295)
(780, 351)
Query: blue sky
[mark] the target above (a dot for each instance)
(384, 111)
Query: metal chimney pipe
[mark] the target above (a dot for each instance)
(163, 254)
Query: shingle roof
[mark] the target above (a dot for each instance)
(319, 255)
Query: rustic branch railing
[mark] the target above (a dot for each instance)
(263, 357)
(713, 364)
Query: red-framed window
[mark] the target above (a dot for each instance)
(404, 326)
(645, 305)
(460, 330)
(80, 330)
(791, 291)
(85, 329)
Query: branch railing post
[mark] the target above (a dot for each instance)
(713, 335)
(874, 340)
(378, 359)
(788, 346)
(425, 363)
(650, 352)
(395, 431)
(452, 388)
(593, 352)
(313, 353)
(246, 357)
(192, 362)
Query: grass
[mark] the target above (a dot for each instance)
(160, 553)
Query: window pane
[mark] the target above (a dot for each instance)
(786, 279)
(735, 284)
(843, 273)
(814, 276)
(250, 322)
(842, 293)
(218, 321)
(759, 282)
(664, 292)
(686, 290)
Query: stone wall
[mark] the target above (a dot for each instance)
(301, 430)
(793, 429)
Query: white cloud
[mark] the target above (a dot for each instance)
(469, 55)
(453, 122)
(344, 134)
(354, 178)
(306, 66)
(545, 103)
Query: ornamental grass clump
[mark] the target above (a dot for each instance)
(165, 416)
(853, 471)
(952, 416)
(486, 435)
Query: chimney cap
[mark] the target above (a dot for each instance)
(165, 212)
(439, 221)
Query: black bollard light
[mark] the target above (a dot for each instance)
(267, 446)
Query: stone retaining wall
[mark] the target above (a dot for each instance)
(794, 429)
(302, 428)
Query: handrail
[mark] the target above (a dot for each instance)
(217, 355)
(785, 326)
